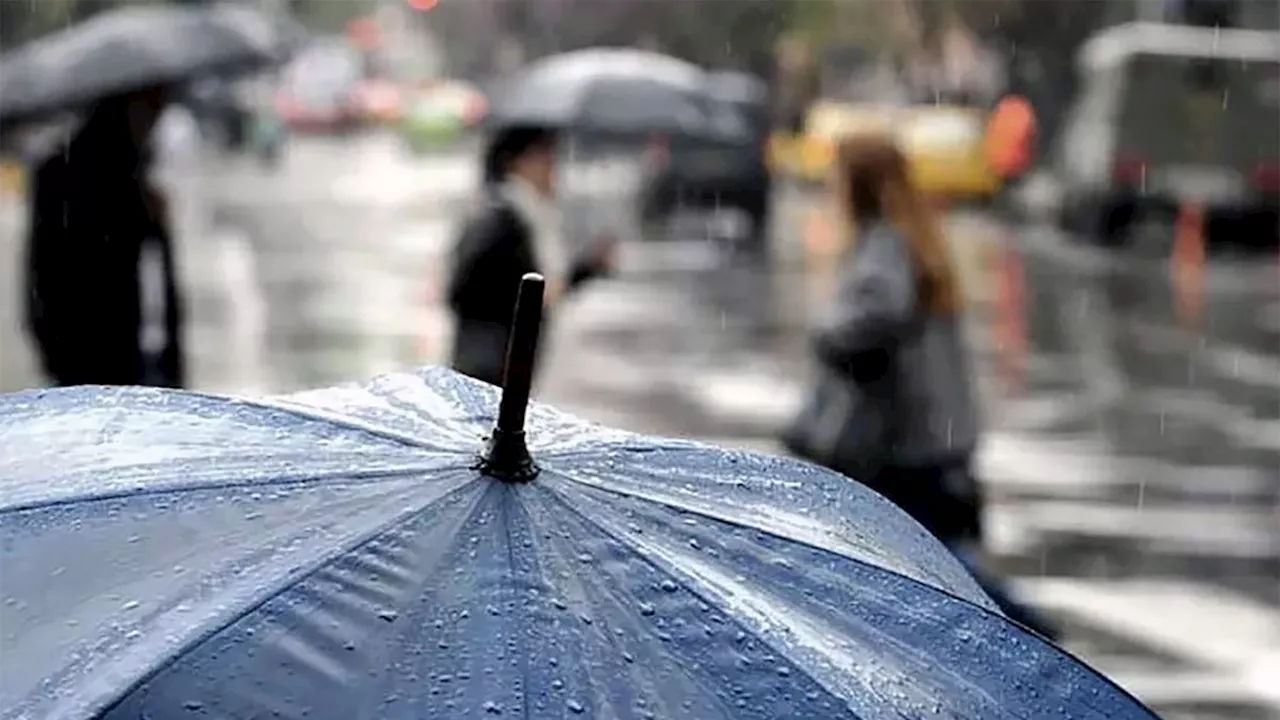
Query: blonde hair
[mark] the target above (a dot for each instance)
(874, 182)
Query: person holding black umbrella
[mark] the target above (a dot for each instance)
(515, 231)
(94, 217)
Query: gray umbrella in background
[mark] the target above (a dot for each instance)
(610, 90)
(136, 47)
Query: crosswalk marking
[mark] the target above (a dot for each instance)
(1206, 625)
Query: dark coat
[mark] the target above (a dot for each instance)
(91, 216)
(494, 251)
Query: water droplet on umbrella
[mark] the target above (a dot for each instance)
(669, 586)
(647, 609)
(349, 645)
(388, 615)
(784, 671)
(193, 705)
(134, 538)
(557, 684)
(492, 708)
(559, 604)
(130, 605)
(575, 707)
(133, 635)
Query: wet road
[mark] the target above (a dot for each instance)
(1133, 464)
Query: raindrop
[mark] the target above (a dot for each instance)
(132, 604)
(193, 705)
(349, 646)
(388, 615)
(492, 708)
(133, 635)
(669, 586)
(557, 684)
(559, 604)
(134, 539)
(646, 609)
(628, 657)
(784, 671)
(575, 707)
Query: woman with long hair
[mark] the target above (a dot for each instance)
(894, 408)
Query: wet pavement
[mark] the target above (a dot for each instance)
(1133, 462)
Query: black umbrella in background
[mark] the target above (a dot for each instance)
(133, 48)
(610, 90)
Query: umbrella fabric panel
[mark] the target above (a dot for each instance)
(607, 104)
(193, 506)
(574, 67)
(132, 48)
(506, 600)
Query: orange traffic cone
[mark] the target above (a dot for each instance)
(1187, 265)
(1010, 320)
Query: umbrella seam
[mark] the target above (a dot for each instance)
(1027, 630)
(368, 477)
(662, 568)
(876, 568)
(281, 588)
(314, 414)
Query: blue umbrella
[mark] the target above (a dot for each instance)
(360, 552)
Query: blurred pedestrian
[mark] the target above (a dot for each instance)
(516, 231)
(94, 217)
(894, 406)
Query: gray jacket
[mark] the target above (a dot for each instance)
(922, 402)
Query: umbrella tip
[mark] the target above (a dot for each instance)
(507, 456)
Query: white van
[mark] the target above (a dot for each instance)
(1168, 115)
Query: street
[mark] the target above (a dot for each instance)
(1132, 462)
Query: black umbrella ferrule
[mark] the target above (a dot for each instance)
(507, 456)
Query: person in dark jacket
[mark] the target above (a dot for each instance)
(515, 231)
(93, 218)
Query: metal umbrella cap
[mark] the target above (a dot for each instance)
(340, 553)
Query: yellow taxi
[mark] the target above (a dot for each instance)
(944, 145)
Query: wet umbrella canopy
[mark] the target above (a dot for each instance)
(136, 47)
(348, 553)
(607, 90)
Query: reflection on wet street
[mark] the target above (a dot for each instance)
(1133, 462)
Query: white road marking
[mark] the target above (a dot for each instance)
(1202, 624)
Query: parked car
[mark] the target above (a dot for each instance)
(727, 172)
(318, 89)
(1170, 115)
